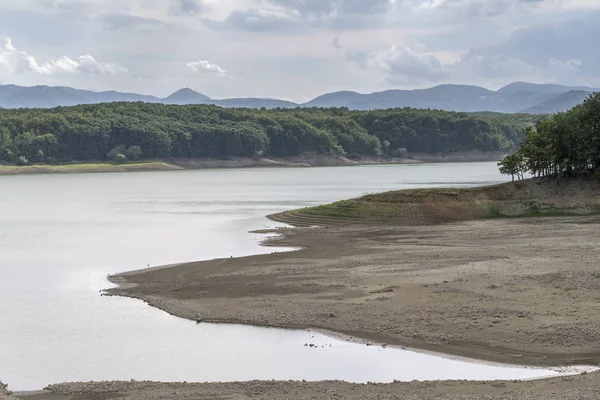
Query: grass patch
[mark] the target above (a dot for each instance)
(84, 167)
(353, 210)
(440, 205)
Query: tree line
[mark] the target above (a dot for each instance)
(129, 131)
(564, 144)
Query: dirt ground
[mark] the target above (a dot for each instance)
(583, 387)
(523, 291)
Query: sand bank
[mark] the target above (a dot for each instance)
(519, 291)
(583, 387)
(306, 160)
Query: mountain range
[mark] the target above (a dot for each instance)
(514, 98)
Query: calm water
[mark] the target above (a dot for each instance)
(60, 235)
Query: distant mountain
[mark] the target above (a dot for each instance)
(559, 103)
(336, 99)
(253, 103)
(542, 88)
(443, 97)
(510, 99)
(186, 96)
(515, 97)
(12, 96)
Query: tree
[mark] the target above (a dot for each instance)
(386, 146)
(512, 165)
(134, 152)
(400, 153)
(565, 144)
(113, 153)
(120, 158)
(39, 156)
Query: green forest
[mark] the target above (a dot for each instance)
(121, 132)
(564, 144)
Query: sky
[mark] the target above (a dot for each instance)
(296, 49)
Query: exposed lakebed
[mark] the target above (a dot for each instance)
(60, 235)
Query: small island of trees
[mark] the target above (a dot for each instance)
(564, 144)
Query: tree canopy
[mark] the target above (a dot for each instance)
(565, 144)
(149, 131)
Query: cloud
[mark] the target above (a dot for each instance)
(559, 52)
(189, 7)
(553, 52)
(16, 61)
(321, 8)
(480, 8)
(116, 21)
(294, 15)
(403, 65)
(206, 67)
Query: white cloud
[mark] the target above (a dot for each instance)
(304, 15)
(402, 64)
(207, 67)
(17, 61)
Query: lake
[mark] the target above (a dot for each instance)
(60, 235)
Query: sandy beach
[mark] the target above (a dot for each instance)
(519, 291)
(582, 387)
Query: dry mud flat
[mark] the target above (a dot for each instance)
(583, 387)
(523, 291)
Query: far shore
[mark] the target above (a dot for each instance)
(211, 163)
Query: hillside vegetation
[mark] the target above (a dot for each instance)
(528, 198)
(122, 132)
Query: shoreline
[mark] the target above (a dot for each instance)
(190, 308)
(581, 387)
(303, 161)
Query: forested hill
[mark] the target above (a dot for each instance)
(119, 131)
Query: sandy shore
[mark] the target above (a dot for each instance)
(583, 387)
(210, 163)
(520, 291)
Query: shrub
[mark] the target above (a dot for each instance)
(120, 158)
(22, 160)
(134, 152)
(400, 153)
(112, 155)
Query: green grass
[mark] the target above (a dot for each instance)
(353, 210)
(85, 166)
(440, 205)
